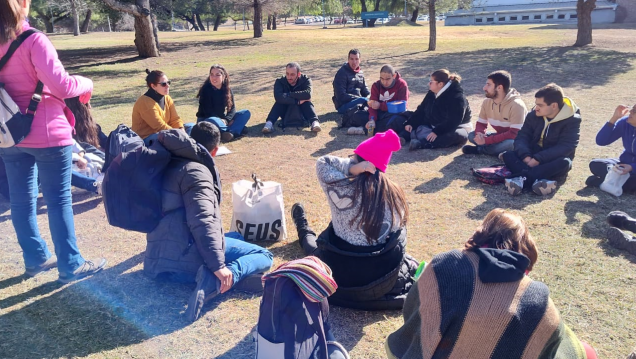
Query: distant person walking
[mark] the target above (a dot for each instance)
(45, 153)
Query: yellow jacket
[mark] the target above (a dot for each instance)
(149, 118)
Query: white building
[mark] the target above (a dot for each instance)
(492, 12)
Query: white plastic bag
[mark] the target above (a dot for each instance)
(614, 180)
(259, 210)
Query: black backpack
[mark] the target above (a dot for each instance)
(292, 327)
(293, 118)
(132, 188)
(122, 139)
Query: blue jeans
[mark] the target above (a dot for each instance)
(495, 149)
(238, 122)
(351, 104)
(243, 258)
(54, 166)
(84, 182)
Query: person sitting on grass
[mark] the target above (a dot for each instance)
(188, 244)
(154, 111)
(545, 146)
(622, 125)
(365, 243)
(292, 96)
(390, 87)
(443, 117)
(216, 105)
(504, 110)
(350, 93)
(478, 302)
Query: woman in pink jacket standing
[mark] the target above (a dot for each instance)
(45, 153)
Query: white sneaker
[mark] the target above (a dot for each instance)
(544, 187)
(98, 183)
(315, 126)
(355, 131)
(269, 127)
(515, 185)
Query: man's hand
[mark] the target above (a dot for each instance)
(373, 104)
(408, 128)
(619, 112)
(300, 102)
(369, 124)
(625, 168)
(82, 163)
(226, 278)
(480, 138)
(431, 137)
(527, 159)
(533, 163)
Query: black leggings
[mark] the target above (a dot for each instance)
(599, 169)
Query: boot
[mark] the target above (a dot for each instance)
(621, 240)
(300, 220)
(208, 287)
(621, 220)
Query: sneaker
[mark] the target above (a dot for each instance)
(355, 131)
(226, 136)
(253, 283)
(621, 240)
(87, 269)
(48, 264)
(593, 181)
(269, 127)
(315, 127)
(544, 187)
(244, 131)
(515, 185)
(621, 220)
(415, 145)
(300, 220)
(208, 287)
(98, 184)
(470, 150)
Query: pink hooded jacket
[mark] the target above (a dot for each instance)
(36, 59)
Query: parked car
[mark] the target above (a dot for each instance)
(299, 21)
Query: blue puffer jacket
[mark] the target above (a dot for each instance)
(610, 133)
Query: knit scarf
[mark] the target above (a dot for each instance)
(310, 274)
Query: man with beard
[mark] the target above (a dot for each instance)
(504, 110)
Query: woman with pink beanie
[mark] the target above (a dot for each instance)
(365, 243)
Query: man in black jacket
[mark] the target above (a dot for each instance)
(545, 146)
(349, 92)
(292, 94)
(189, 244)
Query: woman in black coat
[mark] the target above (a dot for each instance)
(443, 117)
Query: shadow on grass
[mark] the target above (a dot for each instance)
(80, 205)
(9, 282)
(596, 226)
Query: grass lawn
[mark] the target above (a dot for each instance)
(122, 314)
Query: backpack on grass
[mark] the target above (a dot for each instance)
(495, 174)
(14, 125)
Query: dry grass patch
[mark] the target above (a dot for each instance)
(120, 313)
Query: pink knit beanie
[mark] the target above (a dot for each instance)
(379, 148)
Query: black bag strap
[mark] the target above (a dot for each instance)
(37, 95)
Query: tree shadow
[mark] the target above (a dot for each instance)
(338, 141)
(596, 226)
(348, 325)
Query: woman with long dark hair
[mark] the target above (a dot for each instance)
(365, 243)
(216, 105)
(87, 131)
(46, 152)
(154, 111)
(443, 117)
(478, 302)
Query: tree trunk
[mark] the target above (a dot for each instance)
(199, 22)
(274, 21)
(146, 39)
(191, 20)
(415, 13)
(48, 24)
(155, 30)
(584, 10)
(432, 25)
(217, 22)
(258, 19)
(75, 12)
(87, 21)
(269, 22)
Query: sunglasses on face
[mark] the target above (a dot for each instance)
(164, 84)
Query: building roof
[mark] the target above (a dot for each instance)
(570, 5)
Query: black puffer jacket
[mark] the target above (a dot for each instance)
(287, 94)
(348, 85)
(444, 113)
(190, 232)
(546, 140)
(368, 277)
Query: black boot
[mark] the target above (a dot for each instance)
(621, 240)
(208, 287)
(621, 220)
(298, 215)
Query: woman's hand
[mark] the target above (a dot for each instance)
(364, 166)
(85, 98)
(408, 128)
(625, 168)
(619, 112)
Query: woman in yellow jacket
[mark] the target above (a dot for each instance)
(154, 111)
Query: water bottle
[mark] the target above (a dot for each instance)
(371, 128)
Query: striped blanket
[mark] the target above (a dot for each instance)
(310, 274)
